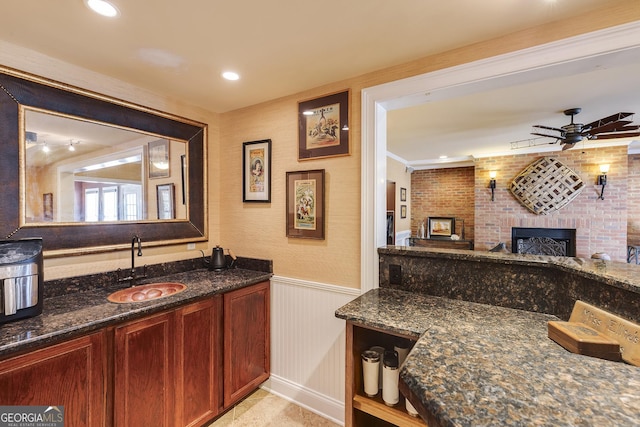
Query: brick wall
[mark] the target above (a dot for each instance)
(443, 192)
(601, 225)
(633, 200)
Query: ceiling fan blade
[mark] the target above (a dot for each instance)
(607, 120)
(546, 136)
(616, 135)
(548, 128)
(611, 127)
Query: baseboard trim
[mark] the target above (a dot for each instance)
(313, 401)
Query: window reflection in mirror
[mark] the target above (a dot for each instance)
(79, 171)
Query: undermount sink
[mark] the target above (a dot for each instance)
(144, 293)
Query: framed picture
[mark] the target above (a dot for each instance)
(441, 227)
(183, 168)
(324, 127)
(403, 211)
(305, 204)
(158, 159)
(47, 206)
(256, 171)
(403, 194)
(166, 201)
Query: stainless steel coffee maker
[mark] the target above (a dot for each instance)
(21, 279)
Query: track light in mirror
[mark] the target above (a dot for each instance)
(602, 179)
(71, 147)
(492, 184)
(103, 8)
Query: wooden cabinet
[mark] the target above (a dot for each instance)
(177, 368)
(199, 362)
(144, 371)
(71, 374)
(168, 367)
(246, 341)
(361, 410)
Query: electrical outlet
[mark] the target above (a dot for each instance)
(395, 274)
(191, 246)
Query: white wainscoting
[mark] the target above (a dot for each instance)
(308, 345)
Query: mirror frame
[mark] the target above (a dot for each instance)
(19, 88)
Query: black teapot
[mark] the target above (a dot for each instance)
(218, 260)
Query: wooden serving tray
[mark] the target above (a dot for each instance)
(581, 339)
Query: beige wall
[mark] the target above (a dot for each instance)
(259, 229)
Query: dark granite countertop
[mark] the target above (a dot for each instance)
(618, 274)
(482, 365)
(77, 313)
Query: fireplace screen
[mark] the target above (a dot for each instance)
(542, 246)
(544, 241)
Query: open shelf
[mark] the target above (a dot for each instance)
(394, 414)
(363, 411)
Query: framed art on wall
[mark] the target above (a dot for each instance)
(403, 194)
(256, 171)
(305, 204)
(324, 127)
(47, 203)
(185, 174)
(403, 211)
(159, 159)
(441, 227)
(166, 201)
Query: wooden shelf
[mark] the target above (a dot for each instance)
(362, 411)
(394, 414)
(441, 243)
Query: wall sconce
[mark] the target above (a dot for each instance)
(492, 183)
(602, 179)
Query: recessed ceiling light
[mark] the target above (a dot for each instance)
(443, 157)
(103, 8)
(230, 75)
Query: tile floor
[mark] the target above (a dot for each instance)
(263, 409)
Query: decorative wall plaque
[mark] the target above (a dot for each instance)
(546, 185)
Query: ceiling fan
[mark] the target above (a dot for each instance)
(614, 126)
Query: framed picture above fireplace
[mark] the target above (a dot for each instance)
(441, 227)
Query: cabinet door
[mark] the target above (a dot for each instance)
(71, 374)
(246, 341)
(144, 372)
(199, 362)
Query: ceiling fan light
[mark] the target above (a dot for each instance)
(572, 139)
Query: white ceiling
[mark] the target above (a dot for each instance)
(498, 121)
(180, 48)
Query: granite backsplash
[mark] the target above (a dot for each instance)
(59, 287)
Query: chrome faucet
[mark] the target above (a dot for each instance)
(132, 273)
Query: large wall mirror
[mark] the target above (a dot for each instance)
(87, 172)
